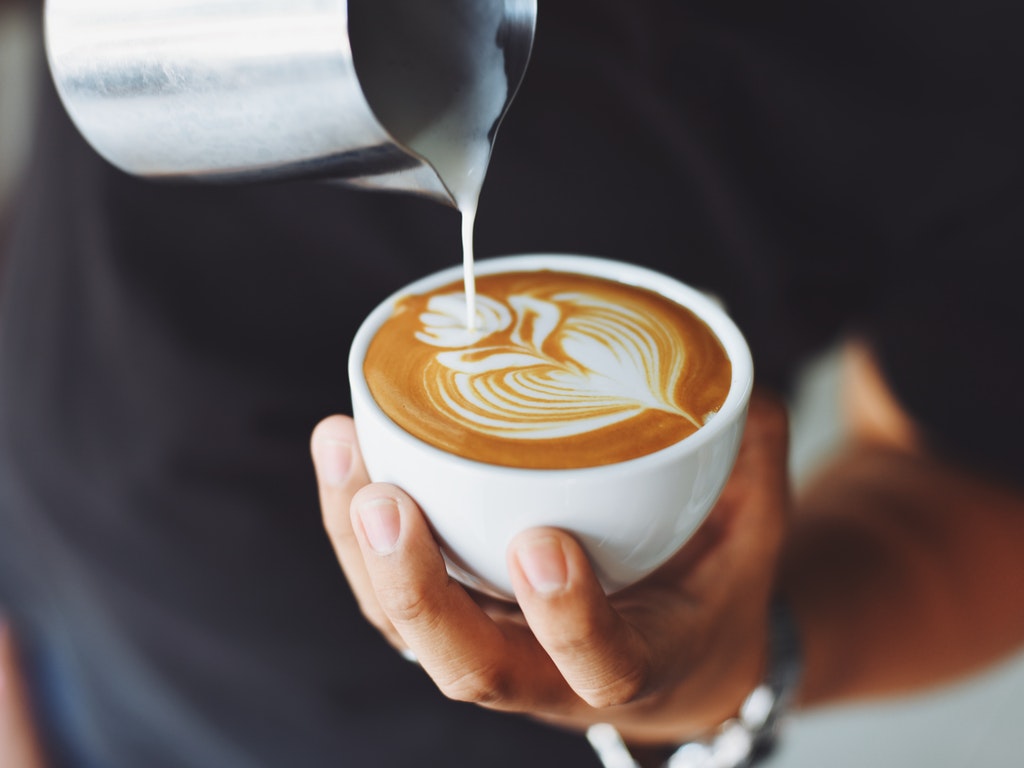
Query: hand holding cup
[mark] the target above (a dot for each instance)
(636, 603)
(664, 659)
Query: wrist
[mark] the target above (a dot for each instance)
(753, 733)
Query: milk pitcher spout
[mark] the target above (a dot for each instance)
(367, 92)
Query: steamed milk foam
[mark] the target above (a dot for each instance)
(434, 74)
(562, 370)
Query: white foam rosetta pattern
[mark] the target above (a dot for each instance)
(539, 368)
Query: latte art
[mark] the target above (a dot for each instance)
(559, 370)
(569, 365)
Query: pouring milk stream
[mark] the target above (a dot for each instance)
(463, 94)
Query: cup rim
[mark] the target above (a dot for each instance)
(706, 307)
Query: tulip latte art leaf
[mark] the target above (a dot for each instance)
(560, 370)
(605, 366)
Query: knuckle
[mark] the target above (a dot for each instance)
(602, 665)
(583, 639)
(486, 686)
(622, 688)
(605, 667)
(406, 603)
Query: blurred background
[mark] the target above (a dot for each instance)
(979, 722)
(17, 43)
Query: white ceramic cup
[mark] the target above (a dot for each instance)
(630, 517)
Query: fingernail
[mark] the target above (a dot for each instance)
(381, 524)
(543, 564)
(333, 461)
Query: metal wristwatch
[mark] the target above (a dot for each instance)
(746, 739)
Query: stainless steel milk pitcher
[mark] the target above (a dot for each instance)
(233, 90)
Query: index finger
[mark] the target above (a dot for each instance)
(471, 656)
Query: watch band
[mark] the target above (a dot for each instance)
(745, 740)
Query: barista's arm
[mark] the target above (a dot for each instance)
(903, 571)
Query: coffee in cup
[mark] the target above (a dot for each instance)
(560, 371)
(590, 395)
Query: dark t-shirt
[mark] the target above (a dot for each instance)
(165, 350)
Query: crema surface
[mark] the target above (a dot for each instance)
(560, 371)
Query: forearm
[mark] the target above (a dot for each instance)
(903, 573)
